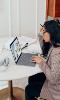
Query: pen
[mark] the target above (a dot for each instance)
(26, 45)
(41, 25)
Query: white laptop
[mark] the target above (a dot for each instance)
(19, 57)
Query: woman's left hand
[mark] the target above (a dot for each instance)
(37, 59)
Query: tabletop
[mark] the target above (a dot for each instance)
(13, 71)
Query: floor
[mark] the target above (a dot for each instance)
(20, 83)
(16, 83)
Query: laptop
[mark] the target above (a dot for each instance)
(21, 58)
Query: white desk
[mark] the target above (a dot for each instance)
(15, 71)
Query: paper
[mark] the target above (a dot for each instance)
(26, 39)
(33, 45)
(22, 41)
(7, 44)
(35, 48)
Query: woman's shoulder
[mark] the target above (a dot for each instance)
(55, 50)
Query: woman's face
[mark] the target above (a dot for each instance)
(46, 35)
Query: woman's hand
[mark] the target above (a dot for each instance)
(37, 59)
(40, 98)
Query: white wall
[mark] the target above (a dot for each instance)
(4, 18)
(28, 17)
(14, 11)
(21, 17)
(41, 13)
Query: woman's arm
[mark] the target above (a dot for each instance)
(52, 72)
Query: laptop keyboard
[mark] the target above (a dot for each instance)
(26, 59)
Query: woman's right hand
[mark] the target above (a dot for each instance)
(37, 98)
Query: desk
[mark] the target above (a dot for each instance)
(15, 72)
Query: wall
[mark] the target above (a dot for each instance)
(21, 17)
(4, 18)
(14, 11)
(41, 13)
(28, 17)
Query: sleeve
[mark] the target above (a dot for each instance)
(52, 72)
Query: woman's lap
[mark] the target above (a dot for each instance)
(34, 86)
(34, 89)
(39, 77)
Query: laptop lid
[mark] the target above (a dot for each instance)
(15, 49)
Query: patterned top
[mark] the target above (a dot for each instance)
(51, 68)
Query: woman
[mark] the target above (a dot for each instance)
(50, 67)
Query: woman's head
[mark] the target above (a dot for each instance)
(51, 32)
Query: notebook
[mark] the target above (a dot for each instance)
(21, 58)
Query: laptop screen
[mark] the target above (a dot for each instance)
(16, 49)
